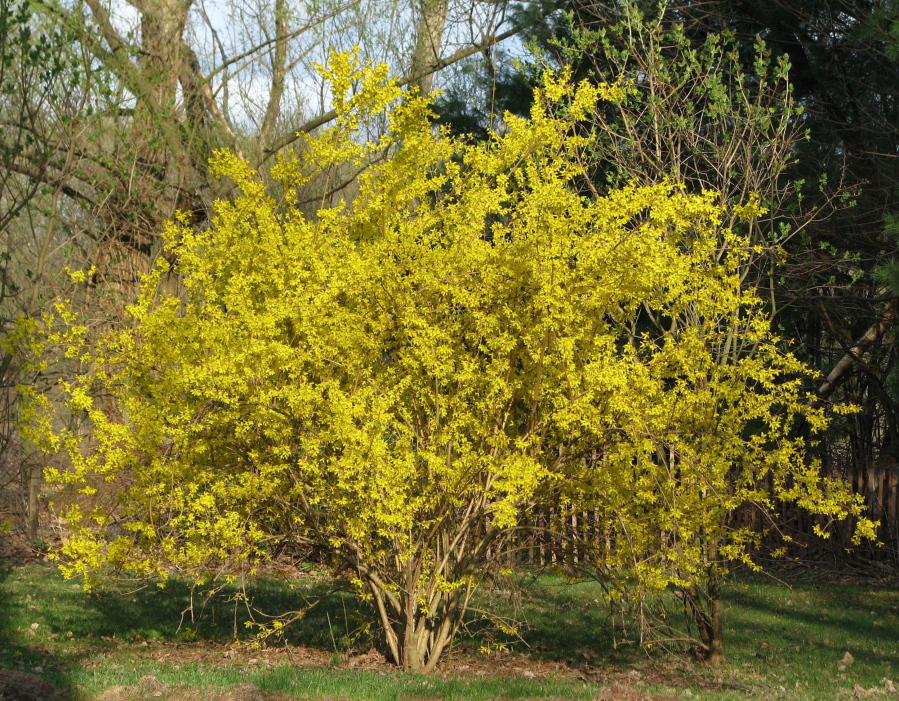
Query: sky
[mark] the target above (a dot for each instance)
(384, 31)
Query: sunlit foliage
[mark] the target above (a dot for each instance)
(394, 380)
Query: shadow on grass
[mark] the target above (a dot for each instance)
(23, 629)
(810, 619)
(82, 637)
(563, 621)
(179, 612)
(50, 626)
(808, 626)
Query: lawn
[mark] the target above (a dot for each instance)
(785, 640)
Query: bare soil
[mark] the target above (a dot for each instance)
(21, 686)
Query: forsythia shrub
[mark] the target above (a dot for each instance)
(394, 379)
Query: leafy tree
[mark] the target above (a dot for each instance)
(395, 380)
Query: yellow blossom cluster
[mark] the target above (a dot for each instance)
(395, 378)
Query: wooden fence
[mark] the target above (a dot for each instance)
(563, 535)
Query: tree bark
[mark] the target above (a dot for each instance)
(34, 504)
(431, 24)
(279, 70)
(706, 612)
(886, 321)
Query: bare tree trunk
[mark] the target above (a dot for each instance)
(884, 323)
(166, 151)
(431, 24)
(715, 645)
(705, 607)
(279, 70)
(34, 506)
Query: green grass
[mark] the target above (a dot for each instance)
(331, 683)
(795, 637)
(782, 642)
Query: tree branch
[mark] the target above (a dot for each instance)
(403, 82)
(887, 318)
(67, 190)
(194, 81)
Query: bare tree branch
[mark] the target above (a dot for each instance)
(427, 44)
(886, 321)
(403, 82)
